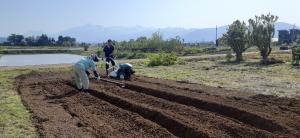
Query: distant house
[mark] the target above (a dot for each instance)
(295, 34)
(288, 36)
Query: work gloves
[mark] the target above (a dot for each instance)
(97, 78)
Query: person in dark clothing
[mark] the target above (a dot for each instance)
(109, 55)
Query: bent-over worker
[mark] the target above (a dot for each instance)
(124, 72)
(82, 68)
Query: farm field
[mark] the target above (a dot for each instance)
(149, 107)
(206, 96)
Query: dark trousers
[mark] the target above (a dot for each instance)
(109, 60)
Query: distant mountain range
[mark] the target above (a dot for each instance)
(2, 39)
(96, 33)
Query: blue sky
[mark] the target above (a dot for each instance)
(20, 16)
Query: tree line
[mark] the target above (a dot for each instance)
(42, 40)
(155, 43)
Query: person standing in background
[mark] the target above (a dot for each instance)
(109, 55)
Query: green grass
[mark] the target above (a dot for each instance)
(91, 50)
(15, 119)
(192, 51)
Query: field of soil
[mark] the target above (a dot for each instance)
(149, 107)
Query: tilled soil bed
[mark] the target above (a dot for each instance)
(150, 107)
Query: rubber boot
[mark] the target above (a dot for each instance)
(83, 90)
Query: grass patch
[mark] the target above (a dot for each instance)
(278, 55)
(189, 51)
(15, 119)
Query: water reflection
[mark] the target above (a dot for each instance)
(38, 59)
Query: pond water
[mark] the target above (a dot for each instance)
(38, 59)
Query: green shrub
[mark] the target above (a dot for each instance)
(210, 50)
(130, 55)
(153, 44)
(136, 55)
(295, 55)
(99, 52)
(163, 59)
(192, 51)
(122, 55)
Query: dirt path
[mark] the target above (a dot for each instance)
(148, 107)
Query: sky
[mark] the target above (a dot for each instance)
(50, 16)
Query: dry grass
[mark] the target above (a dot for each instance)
(250, 76)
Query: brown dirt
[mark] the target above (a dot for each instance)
(149, 107)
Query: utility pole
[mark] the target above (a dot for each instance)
(293, 33)
(217, 42)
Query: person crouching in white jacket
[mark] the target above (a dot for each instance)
(81, 72)
(123, 72)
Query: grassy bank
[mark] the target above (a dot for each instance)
(15, 120)
(1, 51)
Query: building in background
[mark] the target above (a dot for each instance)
(288, 36)
(295, 34)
